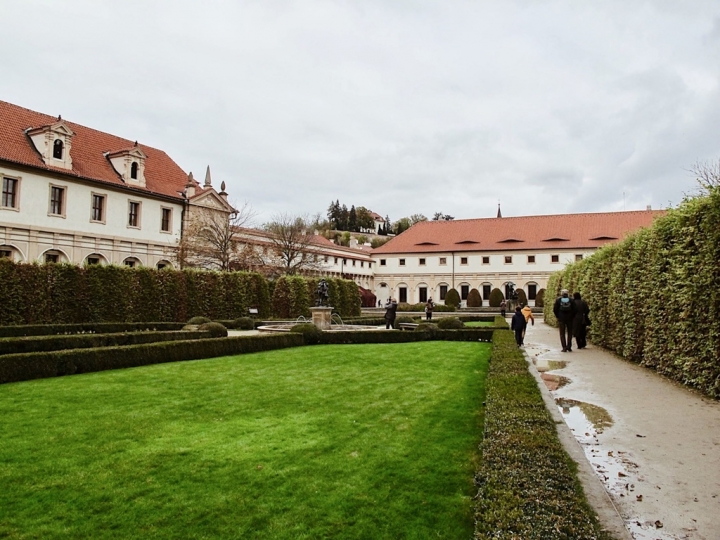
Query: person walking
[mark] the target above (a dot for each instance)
(503, 306)
(581, 321)
(527, 313)
(564, 310)
(518, 324)
(429, 305)
(390, 313)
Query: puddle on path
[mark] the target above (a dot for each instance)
(543, 365)
(553, 382)
(616, 470)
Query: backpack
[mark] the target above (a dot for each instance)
(565, 305)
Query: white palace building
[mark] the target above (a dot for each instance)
(74, 194)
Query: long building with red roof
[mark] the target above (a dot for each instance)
(485, 254)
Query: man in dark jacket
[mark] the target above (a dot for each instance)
(582, 310)
(518, 324)
(390, 312)
(564, 310)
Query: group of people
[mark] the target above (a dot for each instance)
(573, 317)
(519, 322)
(391, 311)
(572, 314)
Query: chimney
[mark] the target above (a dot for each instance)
(648, 208)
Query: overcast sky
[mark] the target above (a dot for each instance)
(397, 105)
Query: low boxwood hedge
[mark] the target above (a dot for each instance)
(87, 328)
(87, 341)
(40, 365)
(365, 336)
(527, 483)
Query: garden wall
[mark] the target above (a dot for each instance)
(655, 297)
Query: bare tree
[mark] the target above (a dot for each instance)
(292, 243)
(707, 174)
(211, 240)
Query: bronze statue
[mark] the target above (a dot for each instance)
(322, 295)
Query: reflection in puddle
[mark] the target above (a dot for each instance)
(543, 365)
(553, 382)
(617, 472)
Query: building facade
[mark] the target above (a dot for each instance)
(485, 254)
(74, 194)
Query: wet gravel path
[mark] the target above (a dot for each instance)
(652, 443)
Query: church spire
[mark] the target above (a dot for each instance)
(499, 214)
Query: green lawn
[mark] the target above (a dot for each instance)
(347, 441)
(475, 324)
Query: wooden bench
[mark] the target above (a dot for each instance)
(253, 311)
(407, 326)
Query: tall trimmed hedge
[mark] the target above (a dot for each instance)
(496, 296)
(293, 296)
(69, 294)
(655, 297)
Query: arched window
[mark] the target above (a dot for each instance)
(58, 149)
(134, 170)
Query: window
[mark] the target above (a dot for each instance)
(508, 259)
(422, 262)
(402, 294)
(57, 200)
(463, 260)
(531, 259)
(554, 258)
(353, 262)
(134, 170)
(402, 262)
(51, 257)
(98, 208)
(383, 262)
(362, 264)
(443, 260)
(532, 291)
(336, 259)
(578, 257)
(423, 294)
(161, 265)
(133, 214)
(326, 258)
(487, 289)
(129, 262)
(5, 254)
(166, 220)
(443, 291)
(486, 260)
(10, 193)
(464, 291)
(93, 260)
(58, 149)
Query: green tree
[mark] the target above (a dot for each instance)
(474, 299)
(452, 298)
(496, 296)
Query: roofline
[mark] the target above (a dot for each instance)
(94, 181)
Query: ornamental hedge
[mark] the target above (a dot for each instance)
(527, 484)
(655, 297)
(41, 294)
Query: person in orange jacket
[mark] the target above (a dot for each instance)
(527, 313)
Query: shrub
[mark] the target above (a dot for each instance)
(450, 323)
(199, 320)
(216, 329)
(244, 323)
(427, 327)
(474, 299)
(540, 298)
(496, 296)
(452, 298)
(521, 297)
(405, 320)
(311, 333)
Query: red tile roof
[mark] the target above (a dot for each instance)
(162, 175)
(568, 231)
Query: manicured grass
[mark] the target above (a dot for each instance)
(473, 324)
(341, 441)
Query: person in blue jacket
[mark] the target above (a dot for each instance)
(518, 325)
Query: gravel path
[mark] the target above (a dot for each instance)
(653, 444)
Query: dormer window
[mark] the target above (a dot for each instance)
(129, 164)
(54, 143)
(58, 149)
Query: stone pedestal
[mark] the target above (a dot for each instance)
(321, 317)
